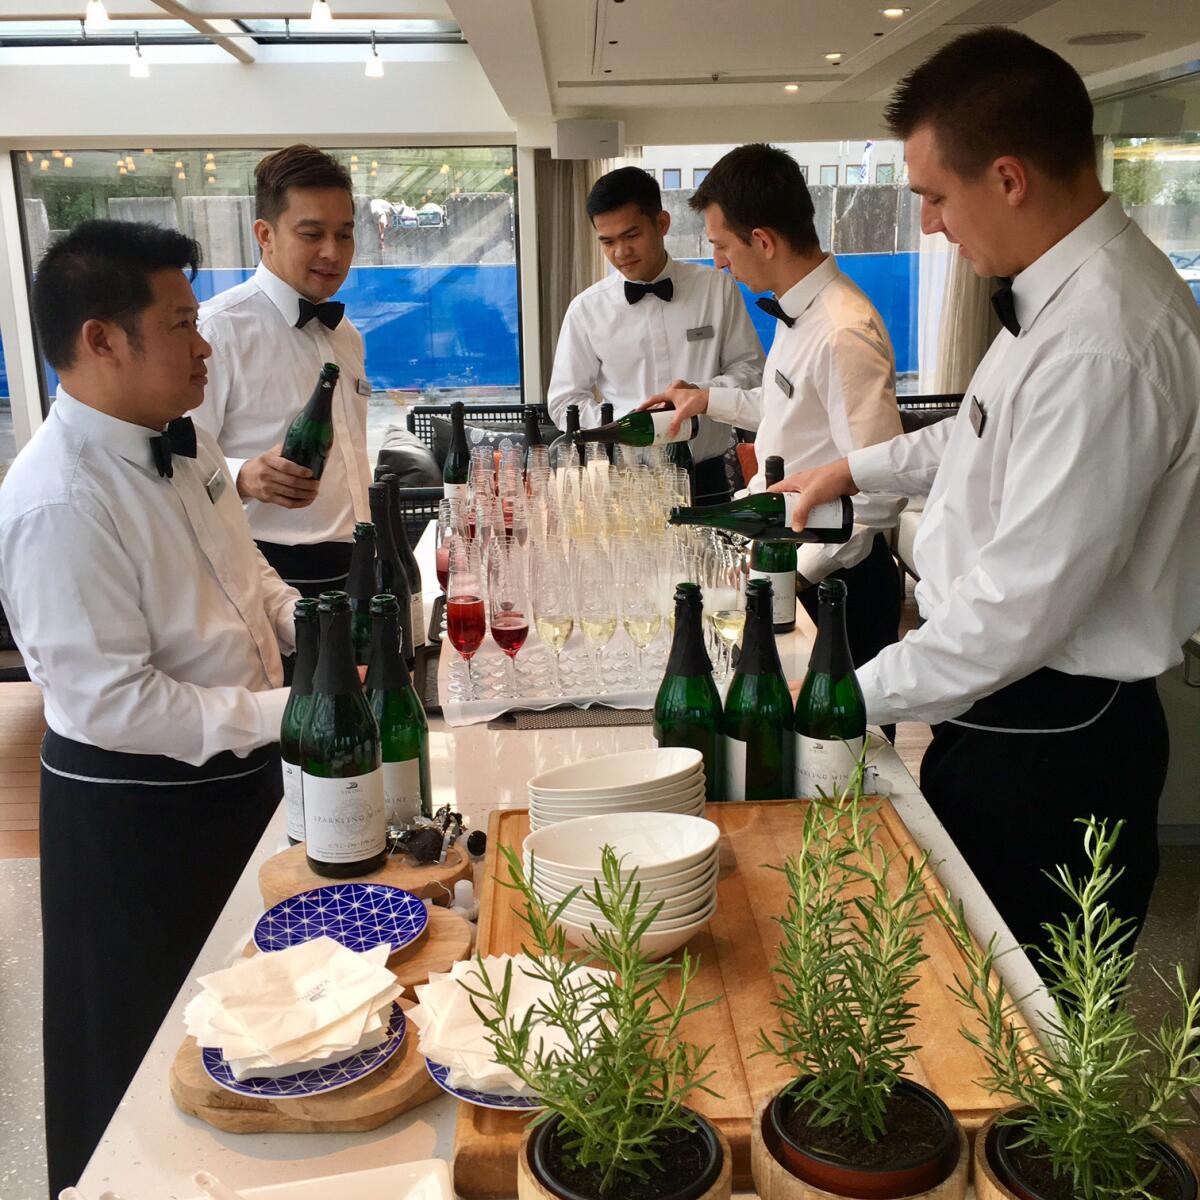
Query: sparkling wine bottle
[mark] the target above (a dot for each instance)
(641, 429)
(769, 514)
(298, 703)
(606, 418)
(457, 468)
(407, 559)
(310, 436)
(776, 561)
(390, 576)
(345, 830)
(361, 586)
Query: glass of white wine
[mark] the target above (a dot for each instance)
(553, 610)
(595, 601)
(641, 612)
(725, 602)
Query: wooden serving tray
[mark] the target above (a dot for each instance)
(735, 950)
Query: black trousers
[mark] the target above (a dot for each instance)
(1009, 794)
(134, 874)
(873, 597)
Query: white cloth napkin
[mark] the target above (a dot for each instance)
(452, 1033)
(310, 1003)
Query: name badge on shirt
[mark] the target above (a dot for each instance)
(700, 333)
(784, 384)
(978, 416)
(362, 387)
(215, 487)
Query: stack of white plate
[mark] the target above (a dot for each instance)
(656, 780)
(674, 856)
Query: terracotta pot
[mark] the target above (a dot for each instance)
(535, 1183)
(996, 1179)
(784, 1171)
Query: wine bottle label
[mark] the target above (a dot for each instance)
(783, 594)
(293, 801)
(821, 516)
(735, 769)
(344, 819)
(662, 424)
(420, 631)
(824, 765)
(454, 491)
(402, 792)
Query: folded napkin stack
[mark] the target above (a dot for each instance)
(453, 1035)
(291, 1010)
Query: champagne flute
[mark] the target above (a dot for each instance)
(637, 586)
(508, 604)
(466, 622)
(727, 598)
(553, 611)
(451, 523)
(596, 602)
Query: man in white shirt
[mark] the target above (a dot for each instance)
(153, 627)
(270, 337)
(829, 386)
(654, 323)
(1060, 571)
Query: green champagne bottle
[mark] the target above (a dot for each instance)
(298, 703)
(776, 561)
(345, 831)
(687, 709)
(457, 467)
(606, 418)
(533, 432)
(769, 514)
(641, 429)
(310, 436)
(361, 586)
(403, 729)
(759, 742)
(831, 715)
(389, 570)
(412, 572)
(572, 421)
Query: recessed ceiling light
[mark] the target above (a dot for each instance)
(95, 16)
(791, 87)
(894, 14)
(1110, 37)
(834, 56)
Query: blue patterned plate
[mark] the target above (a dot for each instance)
(502, 1100)
(338, 1074)
(359, 915)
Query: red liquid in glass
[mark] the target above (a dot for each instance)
(465, 624)
(442, 557)
(510, 631)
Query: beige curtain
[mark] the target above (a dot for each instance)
(569, 257)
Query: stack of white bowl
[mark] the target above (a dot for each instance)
(674, 856)
(667, 779)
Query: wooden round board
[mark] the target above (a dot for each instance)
(288, 874)
(400, 1084)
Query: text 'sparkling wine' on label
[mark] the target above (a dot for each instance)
(402, 792)
(735, 768)
(783, 594)
(344, 819)
(824, 765)
(293, 801)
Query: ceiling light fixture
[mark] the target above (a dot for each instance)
(139, 68)
(124, 171)
(29, 156)
(834, 56)
(374, 164)
(68, 162)
(56, 154)
(179, 164)
(181, 175)
(354, 158)
(45, 164)
(894, 14)
(1110, 37)
(321, 17)
(791, 87)
(374, 67)
(95, 17)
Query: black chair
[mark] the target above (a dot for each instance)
(918, 411)
(500, 415)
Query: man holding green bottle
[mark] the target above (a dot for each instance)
(1060, 572)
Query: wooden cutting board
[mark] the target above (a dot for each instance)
(735, 952)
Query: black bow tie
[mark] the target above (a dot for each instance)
(664, 289)
(1005, 306)
(773, 307)
(329, 314)
(179, 437)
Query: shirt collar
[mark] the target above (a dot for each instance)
(130, 441)
(1037, 285)
(799, 296)
(666, 272)
(282, 295)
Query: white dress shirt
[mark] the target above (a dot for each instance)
(142, 608)
(837, 363)
(1067, 533)
(261, 374)
(630, 352)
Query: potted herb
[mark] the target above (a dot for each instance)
(1097, 1102)
(850, 1124)
(615, 1122)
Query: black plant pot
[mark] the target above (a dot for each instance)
(541, 1138)
(999, 1149)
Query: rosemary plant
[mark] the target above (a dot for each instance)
(621, 1082)
(1097, 1094)
(846, 965)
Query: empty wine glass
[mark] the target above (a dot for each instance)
(507, 603)
(637, 587)
(553, 610)
(595, 600)
(466, 621)
(451, 523)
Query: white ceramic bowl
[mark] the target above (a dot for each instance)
(691, 809)
(653, 844)
(635, 769)
(652, 787)
(659, 885)
(601, 801)
(657, 943)
(547, 886)
(673, 912)
(672, 803)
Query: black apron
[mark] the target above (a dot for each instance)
(138, 855)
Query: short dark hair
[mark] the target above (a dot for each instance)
(100, 271)
(298, 166)
(761, 187)
(994, 92)
(625, 185)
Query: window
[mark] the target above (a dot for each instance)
(829, 174)
(649, 171)
(854, 174)
(431, 332)
(698, 175)
(885, 172)
(672, 178)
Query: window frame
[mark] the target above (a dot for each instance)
(823, 182)
(666, 187)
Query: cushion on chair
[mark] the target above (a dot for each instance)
(501, 436)
(404, 455)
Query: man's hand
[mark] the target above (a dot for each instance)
(686, 400)
(817, 487)
(275, 480)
